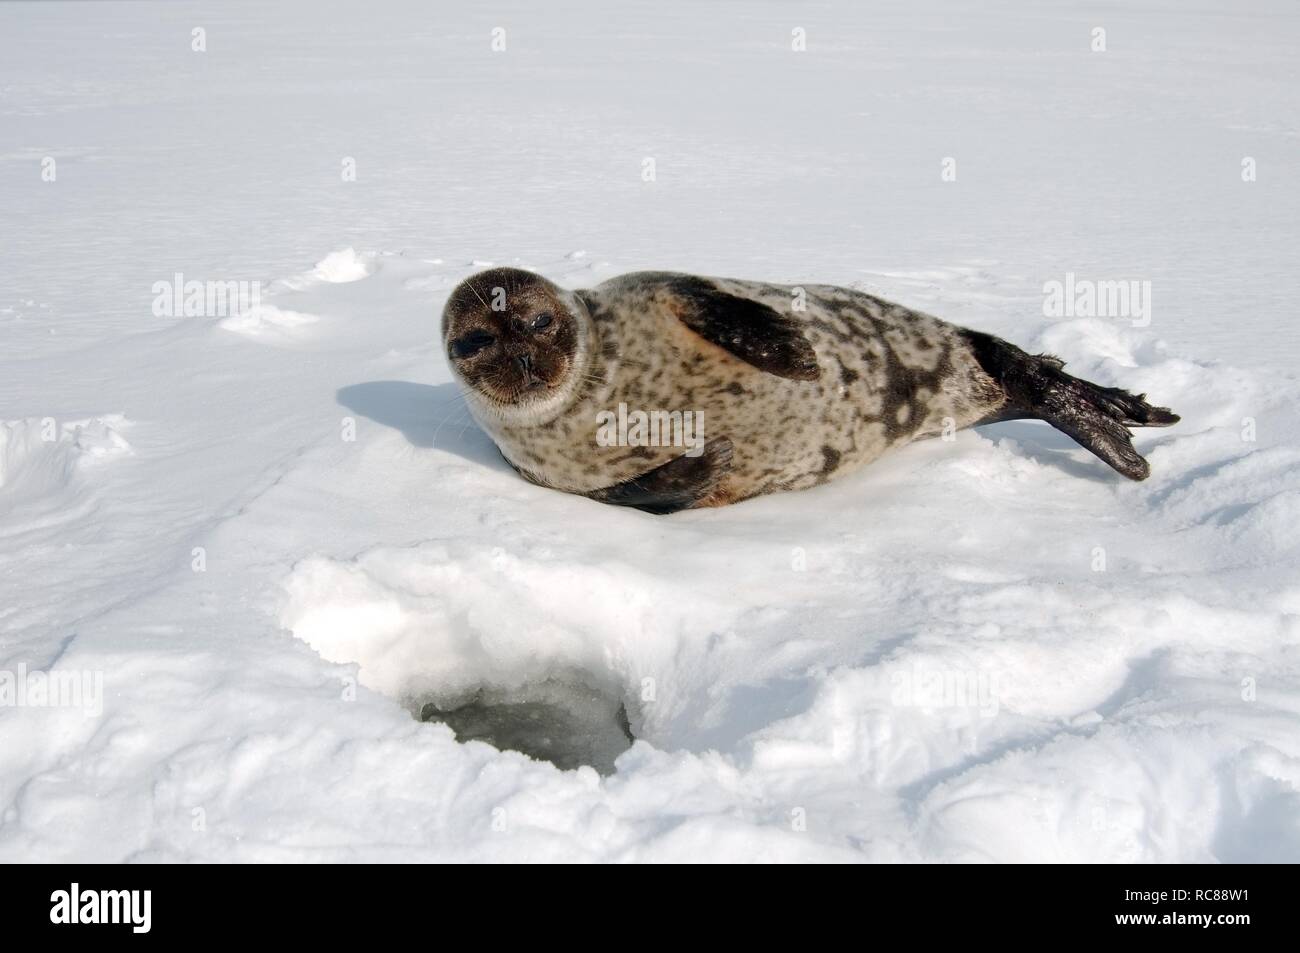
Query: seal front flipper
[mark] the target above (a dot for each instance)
(679, 484)
(747, 329)
(1096, 417)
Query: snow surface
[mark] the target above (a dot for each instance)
(277, 534)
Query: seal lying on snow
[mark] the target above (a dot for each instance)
(607, 392)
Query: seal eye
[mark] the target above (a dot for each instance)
(543, 320)
(471, 344)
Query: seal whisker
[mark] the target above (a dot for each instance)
(470, 283)
(463, 407)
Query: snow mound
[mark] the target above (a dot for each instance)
(429, 622)
(41, 454)
(267, 320)
(343, 266)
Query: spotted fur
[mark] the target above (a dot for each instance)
(801, 394)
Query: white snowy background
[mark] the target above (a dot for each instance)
(791, 666)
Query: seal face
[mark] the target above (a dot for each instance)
(724, 390)
(518, 344)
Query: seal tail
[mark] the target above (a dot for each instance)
(1096, 417)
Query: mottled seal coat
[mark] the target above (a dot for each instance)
(793, 385)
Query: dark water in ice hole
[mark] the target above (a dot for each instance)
(562, 722)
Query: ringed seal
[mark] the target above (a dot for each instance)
(791, 385)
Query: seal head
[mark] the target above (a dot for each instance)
(518, 344)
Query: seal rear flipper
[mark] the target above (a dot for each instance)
(1097, 417)
(1104, 435)
(679, 484)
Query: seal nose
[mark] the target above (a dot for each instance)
(525, 365)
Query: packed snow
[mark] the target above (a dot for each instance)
(274, 544)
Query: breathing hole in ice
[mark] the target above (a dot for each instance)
(565, 722)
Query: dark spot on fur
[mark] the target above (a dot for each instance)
(747, 329)
(827, 328)
(830, 460)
